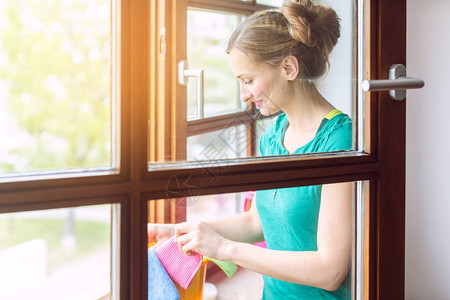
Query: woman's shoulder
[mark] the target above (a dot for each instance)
(337, 134)
(341, 121)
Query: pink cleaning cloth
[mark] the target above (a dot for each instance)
(180, 267)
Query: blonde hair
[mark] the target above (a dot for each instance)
(299, 28)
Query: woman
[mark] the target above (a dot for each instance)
(276, 56)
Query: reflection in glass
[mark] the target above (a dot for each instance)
(55, 253)
(55, 85)
(231, 142)
(291, 219)
(207, 36)
(227, 143)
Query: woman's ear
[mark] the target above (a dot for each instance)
(290, 67)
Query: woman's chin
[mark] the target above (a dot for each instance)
(268, 112)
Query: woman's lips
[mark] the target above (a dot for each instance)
(258, 103)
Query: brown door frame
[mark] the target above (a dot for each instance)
(386, 251)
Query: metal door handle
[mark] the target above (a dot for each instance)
(397, 84)
(183, 74)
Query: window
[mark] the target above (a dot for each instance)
(44, 252)
(56, 78)
(209, 96)
(244, 283)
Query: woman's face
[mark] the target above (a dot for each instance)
(260, 83)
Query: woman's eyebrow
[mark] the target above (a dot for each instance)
(241, 75)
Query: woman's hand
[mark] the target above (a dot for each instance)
(200, 238)
(159, 233)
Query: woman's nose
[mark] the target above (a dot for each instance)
(245, 96)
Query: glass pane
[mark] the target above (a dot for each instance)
(56, 254)
(230, 142)
(292, 219)
(207, 36)
(338, 85)
(213, 207)
(55, 85)
(327, 119)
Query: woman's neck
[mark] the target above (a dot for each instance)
(307, 109)
(305, 112)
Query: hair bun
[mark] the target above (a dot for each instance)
(313, 25)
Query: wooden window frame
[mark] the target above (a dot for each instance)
(145, 96)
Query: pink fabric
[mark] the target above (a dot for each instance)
(180, 267)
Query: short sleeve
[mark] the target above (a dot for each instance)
(340, 138)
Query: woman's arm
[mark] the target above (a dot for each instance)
(244, 227)
(325, 268)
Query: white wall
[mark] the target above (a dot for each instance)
(338, 83)
(427, 156)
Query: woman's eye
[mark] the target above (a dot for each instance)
(248, 82)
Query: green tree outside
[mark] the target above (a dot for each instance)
(55, 64)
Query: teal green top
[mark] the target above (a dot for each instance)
(289, 216)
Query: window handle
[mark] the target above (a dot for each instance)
(183, 74)
(397, 84)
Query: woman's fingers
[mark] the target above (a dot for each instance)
(187, 236)
(188, 243)
(198, 237)
(182, 228)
